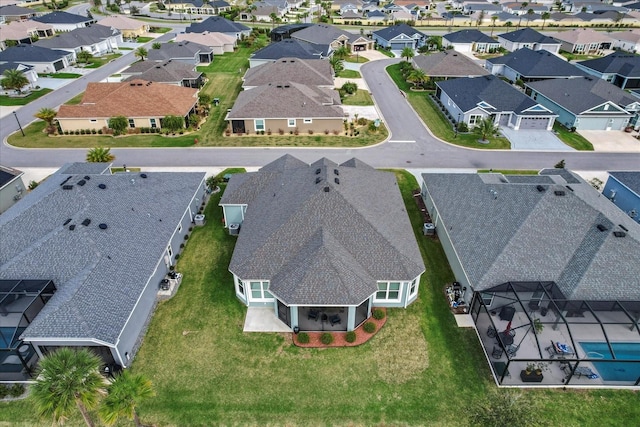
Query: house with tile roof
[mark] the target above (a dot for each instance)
(583, 40)
(529, 65)
(218, 42)
(129, 27)
(12, 12)
(587, 103)
(284, 106)
(100, 245)
(529, 38)
(309, 72)
(218, 24)
(397, 37)
(321, 244)
(170, 72)
(324, 34)
(42, 59)
(469, 41)
(544, 249)
(64, 21)
(472, 99)
(448, 64)
(623, 189)
(289, 48)
(12, 188)
(621, 69)
(143, 103)
(23, 32)
(185, 51)
(96, 39)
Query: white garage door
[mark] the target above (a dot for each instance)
(534, 123)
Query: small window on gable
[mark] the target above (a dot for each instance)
(606, 107)
(307, 121)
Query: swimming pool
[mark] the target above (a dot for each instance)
(618, 371)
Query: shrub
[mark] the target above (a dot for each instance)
(99, 131)
(190, 228)
(66, 132)
(310, 131)
(463, 127)
(186, 237)
(32, 185)
(4, 391)
(351, 336)
(326, 338)
(369, 327)
(303, 338)
(177, 257)
(93, 131)
(362, 121)
(350, 88)
(378, 314)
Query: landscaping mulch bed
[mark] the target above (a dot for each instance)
(339, 337)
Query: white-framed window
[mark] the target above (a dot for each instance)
(606, 107)
(258, 125)
(291, 123)
(487, 298)
(307, 121)
(153, 123)
(132, 123)
(241, 287)
(388, 291)
(474, 119)
(413, 288)
(259, 291)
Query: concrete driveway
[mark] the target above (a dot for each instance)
(534, 140)
(612, 141)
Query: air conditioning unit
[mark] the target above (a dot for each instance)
(199, 219)
(428, 229)
(234, 229)
(17, 197)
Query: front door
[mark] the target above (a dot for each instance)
(283, 313)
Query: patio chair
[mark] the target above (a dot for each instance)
(491, 332)
(512, 350)
(313, 314)
(497, 352)
(335, 319)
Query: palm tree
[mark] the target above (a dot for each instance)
(341, 53)
(141, 53)
(100, 155)
(124, 394)
(336, 64)
(530, 13)
(13, 80)
(545, 16)
(522, 7)
(156, 45)
(494, 18)
(417, 76)
(486, 128)
(407, 53)
(67, 380)
(48, 115)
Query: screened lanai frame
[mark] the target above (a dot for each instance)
(602, 337)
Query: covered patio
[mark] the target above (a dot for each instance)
(526, 327)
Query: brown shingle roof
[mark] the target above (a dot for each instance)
(136, 98)
(311, 72)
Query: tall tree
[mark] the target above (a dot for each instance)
(522, 7)
(417, 77)
(336, 64)
(494, 18)
(84, 56)
(67, 380)
(407, 53)
(100, 155)
(342, 52)
(118, 124)
(48, 115)
(123, 397)
(545, 16)
(13, 80)
(141, 53)
(530, 14)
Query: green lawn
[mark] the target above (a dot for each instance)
(572, 139)
(386, 52)
(349, 74)
(99, 61)
(356, 58)
(8, 101)
(61, 75)
(361, 97)
(435, 119)
(160, 30)
(142, 39)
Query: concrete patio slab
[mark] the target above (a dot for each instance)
(263, 320)
(612, 141)
(534, 140)
(464, 321)
(368, 112)
(339, 81)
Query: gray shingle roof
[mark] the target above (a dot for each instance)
(84, 36)
(287, 100)
(320, 247)
(31, 53)
(527, 235)
(537, 64)
(185, 49)
(448, 64)
(217, 24)
(311, 72)
(100, 274)
(13, 10)
(621, 63)
(630, 179)
(14, 66)
(469, 36)
(323, 34)
(396, 30)
(164, 72)
(292, 48)
(62, 18)
(581, 94)
(528, 35)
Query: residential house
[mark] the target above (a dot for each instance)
(448, 64)
(376, 16)
(587, 103)
(98, 247)
(219, 43)
(623, 189)
(472, 99)
(12, 187)
(284, 31)
(129, 27)
(583, 40)
(531, 65)
(27, 71)
(397, 37)
(11, 13)
(596, 7)
(606, 18)
(143, 103)
(548, 264)
(171, 72)
(265, 11)
(350, 8)
(23, 32)
(337, 5)
(65, 21)
(627, 40)
(189, 52)
(321, 244)
(518, 8)
(218, 24)
(220, 6)
(288, 107)
(488, 9)
(621, 69)
(42, 59)
(192, 7)
(324, 34)
(469, 41)
(529, 38)
(96, 39)
(289, 48)
(309, 72)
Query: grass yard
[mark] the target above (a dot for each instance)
(159, 30)
(356, 59)
(435, 119)
(572, 139)
(361, 97)
(61, 75)
(350, 74)
(99, 61)
(142, 39)
(9, 101)
(386, 52)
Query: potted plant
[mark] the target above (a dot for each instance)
(537, 326)
(531, 367)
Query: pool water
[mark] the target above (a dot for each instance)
(615, 371)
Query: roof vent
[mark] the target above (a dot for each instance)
(619, 233)
(143, 175)
(559, 193)
(67, 222)
(65, 181)
(87, 177)
(82, 182)
(102, 226)
(86, 222)
(623, 227)
(540, 188)
(326, 189)
(318, 179)
(102, 186)
(337, 180)
(569, 188)
(336, 171)
(318, 171)
(67, 187)
(72, 227)
(601, 227)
